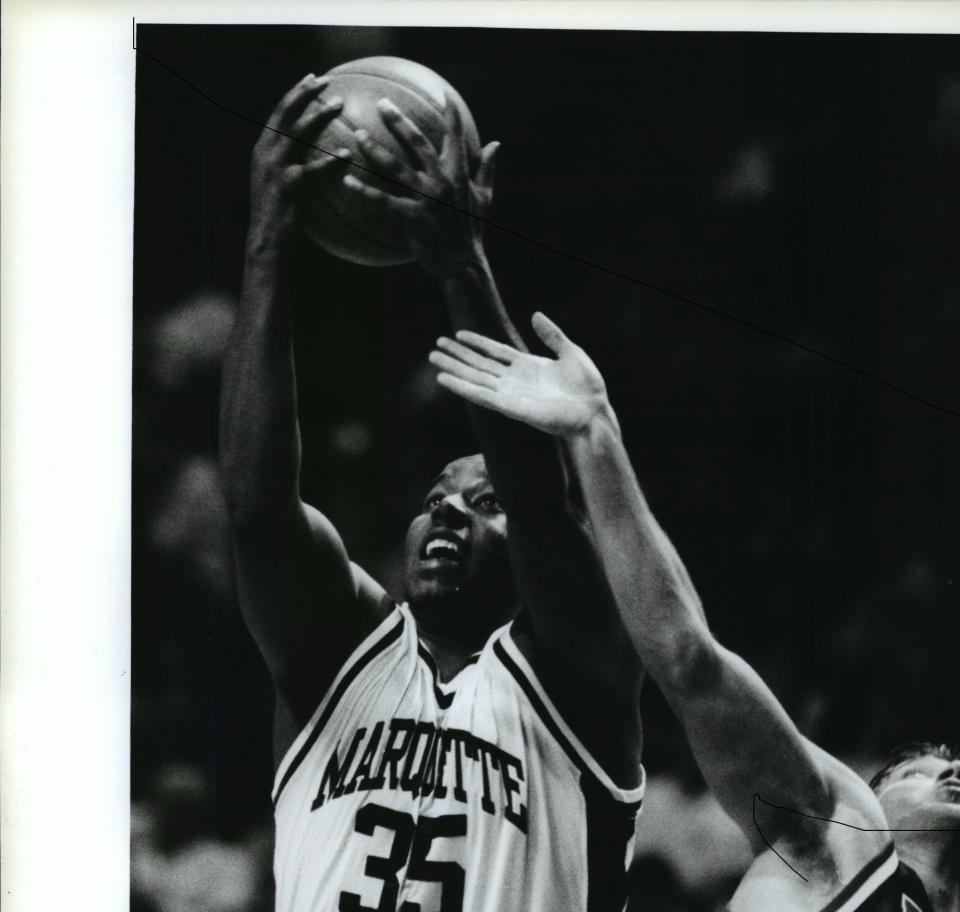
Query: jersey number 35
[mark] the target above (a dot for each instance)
(411, 839)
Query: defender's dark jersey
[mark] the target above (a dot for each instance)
(884, 885)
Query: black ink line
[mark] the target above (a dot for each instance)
(756, 798)
(853, 826)
(773, 334)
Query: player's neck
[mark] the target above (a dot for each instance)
(451, 655)
(455, 629)
(936, 859)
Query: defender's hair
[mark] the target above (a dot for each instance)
(911, 751)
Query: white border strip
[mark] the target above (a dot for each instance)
(876, 16)
(65, 406)
(67, 179)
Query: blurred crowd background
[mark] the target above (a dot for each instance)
(806, 184)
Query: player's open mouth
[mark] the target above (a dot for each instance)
(442, 546)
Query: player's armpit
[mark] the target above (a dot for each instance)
(594, 683)
(571, 634)
(754, 758)
(303, 603)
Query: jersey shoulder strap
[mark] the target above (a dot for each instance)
(396, 626)
(912, 893)
(595, 779)
(884, 884)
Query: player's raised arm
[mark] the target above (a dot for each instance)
(441, 219)
(302, 601)
(744, 741)
(560, 582)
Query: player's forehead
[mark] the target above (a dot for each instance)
(929, 764)
(925, 762)
(462, 474)
(926, 757)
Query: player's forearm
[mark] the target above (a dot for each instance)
(746, 744)
(743, 740)
(473, 300)
(658, 605)
(524, 464)
(259, 434)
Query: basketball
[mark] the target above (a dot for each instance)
(340, 221)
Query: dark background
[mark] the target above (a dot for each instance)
(805, 184)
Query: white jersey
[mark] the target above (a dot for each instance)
(405, 794)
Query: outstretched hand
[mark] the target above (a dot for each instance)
(439, 213)
(559, 395)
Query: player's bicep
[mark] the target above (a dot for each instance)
(553, 567)
(303, 603)
(748, 748)
(571, 613)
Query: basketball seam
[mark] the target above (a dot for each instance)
(413, 88)
(333, 211)
(321, 198)
(352, 127)
(416, 91)
(387, 248)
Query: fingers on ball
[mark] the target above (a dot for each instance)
(417, 147)
(488, 164)
(317, 116)
(454, 142)
(383, 158)
(328, 160)
(293, 103)
(385, 201)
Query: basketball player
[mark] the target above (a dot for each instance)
(782, 790)
(446, 753)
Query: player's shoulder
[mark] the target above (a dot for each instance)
(851, 835)
(854, 802)
(790, 883)
(371, 596)
(395, 635)
(823, 849)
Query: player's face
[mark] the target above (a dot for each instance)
(922, 793)
(456, 548)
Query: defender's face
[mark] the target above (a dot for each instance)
(922, 793)
(457, 544)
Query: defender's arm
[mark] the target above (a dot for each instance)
(744, 741)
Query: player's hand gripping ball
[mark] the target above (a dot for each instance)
(350, 225)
